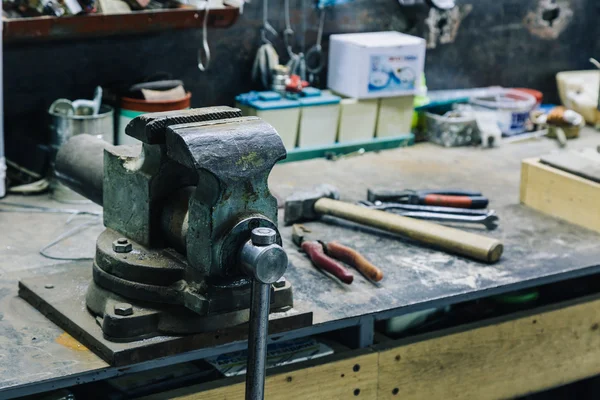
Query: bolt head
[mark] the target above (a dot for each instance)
(123, 309)
(263, 236)
(280, 283)
(122, 245)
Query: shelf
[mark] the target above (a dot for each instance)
(102, 25)
(341, 149)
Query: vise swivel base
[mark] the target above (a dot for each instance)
(191, 242)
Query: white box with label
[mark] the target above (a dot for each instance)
(375, 64)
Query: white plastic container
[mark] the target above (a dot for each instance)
(285, 121)
(318, 120)
(395, 116)
(358, 119)
(512, 108)
(578, 91)
(375, 64)
(282, 114)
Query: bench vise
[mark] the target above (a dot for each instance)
(191, 241)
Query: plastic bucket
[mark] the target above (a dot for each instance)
(512, 109)
(131, 108)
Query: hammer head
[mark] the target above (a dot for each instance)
(301, 206)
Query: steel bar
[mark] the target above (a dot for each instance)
(257, 340)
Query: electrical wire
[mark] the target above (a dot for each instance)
(20, 207)
(28, 208)
(65, 235)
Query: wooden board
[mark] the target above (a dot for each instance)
(342, 379)
(560, 194)
(98, 25)
(503, 360)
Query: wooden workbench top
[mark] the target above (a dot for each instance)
(538, 249)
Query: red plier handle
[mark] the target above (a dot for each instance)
(317, 255)
(451, 201)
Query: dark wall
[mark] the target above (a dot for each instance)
(492, 47)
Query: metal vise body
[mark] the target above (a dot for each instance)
(178, 216)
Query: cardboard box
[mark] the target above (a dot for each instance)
(375, 64)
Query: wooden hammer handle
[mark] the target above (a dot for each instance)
(449, 239)
(354, 258)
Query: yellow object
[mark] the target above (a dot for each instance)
(395, 116)
(337, 379)
(357, 119)
(318, 125)
(560, 194)
(499, 361)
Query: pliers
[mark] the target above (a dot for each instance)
(443, 198)
(323, 255)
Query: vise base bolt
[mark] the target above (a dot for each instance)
(122, 245)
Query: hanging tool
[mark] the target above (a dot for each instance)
(297, 62)
(325, 255)
(489, 219)
(443, 198)
(204, 59)
(314, 56)
(266, 57)
(322, 201)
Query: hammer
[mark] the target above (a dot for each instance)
(323, 200)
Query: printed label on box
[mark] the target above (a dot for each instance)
(392, 73)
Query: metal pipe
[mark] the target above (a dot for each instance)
(80, 165)
(257, 340)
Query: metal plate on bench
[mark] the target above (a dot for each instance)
(61, 298)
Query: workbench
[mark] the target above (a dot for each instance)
(37, 356)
